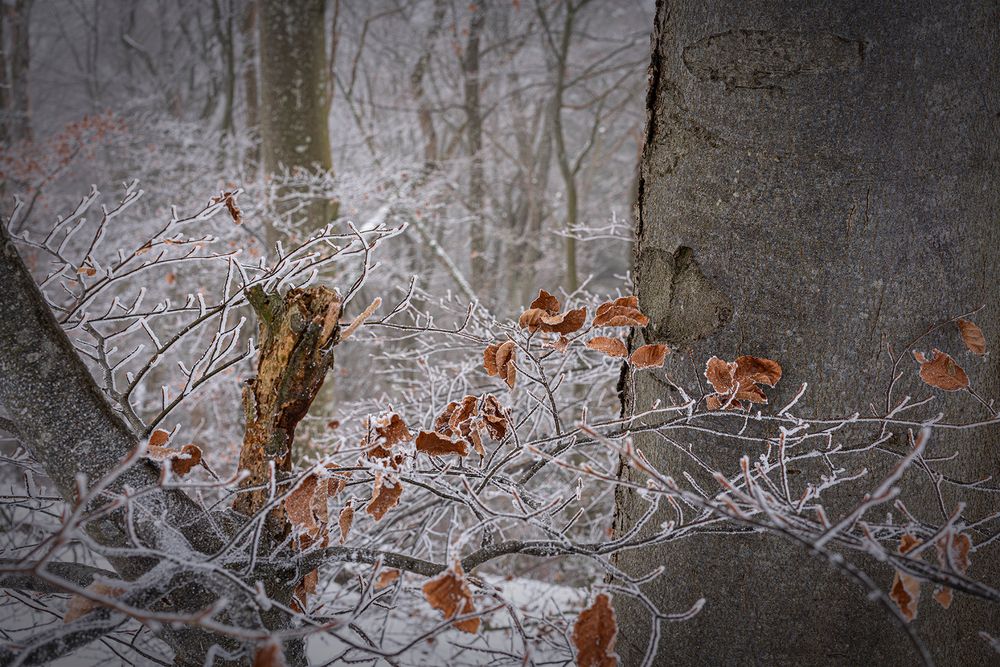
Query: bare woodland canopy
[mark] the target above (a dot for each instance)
(526, 332)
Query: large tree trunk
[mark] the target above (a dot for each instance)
(19, 124)
(472, 87)
(817, 181)
(293, 83)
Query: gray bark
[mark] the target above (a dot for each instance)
(472, 87)
(817, 181)
(19, 124)
(293, 85)
(63, 419)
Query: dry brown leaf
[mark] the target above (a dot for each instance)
(973, 336)
(649, 356)
(735, 383)
(234, 211)
(499, 360)
(560, 344)
(547, 302)
(301, 506)
(531, 319)
(757, 369)
(270, 654)
(158, 438)
(622, 312)
(953, 554)
(463, 411)
(720, 374)
(594, 635)
(384, 497)
(181, 461)
(941, 371)
(477, 443)
(564, 323)
(392, 429)
(494, 419)
(449, 593)
(385, 578)
(609, 346)
(436, 444)
(81, 605)
(943, 596)
(905, 591)
(345, 521)
(304, 589)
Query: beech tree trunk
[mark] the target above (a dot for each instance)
(293, 97)
(817, 181)
(20, 61)
(472, 87)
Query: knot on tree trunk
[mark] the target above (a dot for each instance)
(297, 334)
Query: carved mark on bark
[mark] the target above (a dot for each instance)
(686, 305)
(764, 59)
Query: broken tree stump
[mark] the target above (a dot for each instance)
(297, 336)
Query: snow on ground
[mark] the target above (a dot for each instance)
(497, 642)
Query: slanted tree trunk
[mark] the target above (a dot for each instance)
(293, 84)
(65, 422)
(816, 182)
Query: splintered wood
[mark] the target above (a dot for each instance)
(297, 336)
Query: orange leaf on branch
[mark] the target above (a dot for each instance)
(609, 346)
(436, 444)
(181, 461)
(345, 520)
(384, 497)
(941, 371)
(449, 593)
(905, 591)
(390, 430)
(270, 654)
(953, 554)
(594, 634)
(736, 383)
(81, 605)
(385, 578)
(499, 360)
(543, 315)
(622, 312)
(649, 356)
(973, 336)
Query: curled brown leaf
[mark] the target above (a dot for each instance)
(941, 371)
(594, 634)
(81, 605)
(437, 444)
(649, 356)
(612, 347)
(449, 593)
(345, 520)
(499, 360)
(905, 590)
(384, 497)
(973, 336)
(622, 312)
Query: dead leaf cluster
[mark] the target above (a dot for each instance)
(737, 383)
